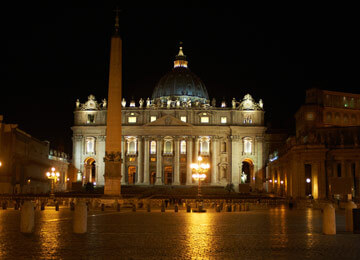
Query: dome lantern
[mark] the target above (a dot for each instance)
(180, 59)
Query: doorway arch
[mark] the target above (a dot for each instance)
(131, 175)
(247, 169)
(90, 170)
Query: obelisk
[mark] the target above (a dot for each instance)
(113, 129)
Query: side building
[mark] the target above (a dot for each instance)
(163, 135)
(24, 161)
(322, 160)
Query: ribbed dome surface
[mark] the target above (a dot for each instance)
(180, 83)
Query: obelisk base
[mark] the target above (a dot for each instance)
(112, 178)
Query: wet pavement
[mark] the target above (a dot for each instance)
(276, 233)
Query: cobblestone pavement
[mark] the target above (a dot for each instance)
(259, 234)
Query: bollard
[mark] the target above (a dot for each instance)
(80, 218)
(349, 215)
(176, 208)
(42, 207)
(134, 208)
(247, 207)
(57, 206)
(16, 206)
(329, 224)
(233, 208)
(27, 221)
(102, 207)
(4, 205)
(148, 207)
(118, 206)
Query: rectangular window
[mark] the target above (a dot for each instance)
(91, 119)
(183, 118)
(132, 119)
(223, 120)
(153, 159)
(153, 147)
(90, 145)
(183, 147)
(339, 170)
(204, 119)
(132, 159)
(152, 118)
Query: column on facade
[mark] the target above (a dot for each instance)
(123, 158)
(214, 161)
(159, 167)
(146, 161)
(77, 151)
(140, 162)
(189, 156)
(196, 148)
(260, 162)
(177, 162)
(235, 160)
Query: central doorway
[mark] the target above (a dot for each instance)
(246, 173)
(131, 175)
(90, 170)
(168, 174)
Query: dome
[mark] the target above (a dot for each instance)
(180, 83)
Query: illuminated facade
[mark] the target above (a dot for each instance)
(163, 135)
(323, 159)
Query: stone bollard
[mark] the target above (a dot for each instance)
(134, 207)
(176, 208)
(247, 207)
(349, 215)
(42, 206)
(148, 207)
(329, 223)
(4, 205)
(243, 207)
(80, 218)
(16, 206)
(118, 205)
(27, 221)
(102, 207)
(57, 206)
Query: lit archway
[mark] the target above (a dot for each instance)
(131, 175)
(246, 171)
(89, 170)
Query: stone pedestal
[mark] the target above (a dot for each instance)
(112, 178)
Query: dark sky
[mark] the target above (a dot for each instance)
(56, 54)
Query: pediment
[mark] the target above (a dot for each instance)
(168, 121)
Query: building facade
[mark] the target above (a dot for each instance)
(163, 135)
(323, 159)
(24, 161)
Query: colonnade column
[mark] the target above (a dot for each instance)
(123, 173)
(177, 162)
(214, 156)
(159, 167)
(146, 161)
(196, 148)
(140, 164)
(189, 148)
(235, 160)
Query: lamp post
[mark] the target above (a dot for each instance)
(199, 174)
(53, 176)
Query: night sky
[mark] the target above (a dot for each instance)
(56, 54)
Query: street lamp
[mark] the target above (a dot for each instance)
(53, 176)
(199, 174)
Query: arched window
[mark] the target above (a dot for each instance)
(247, 145)
(183, 147)
(153, 147)
(168, 147)
(90, 145)
(204, 146)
